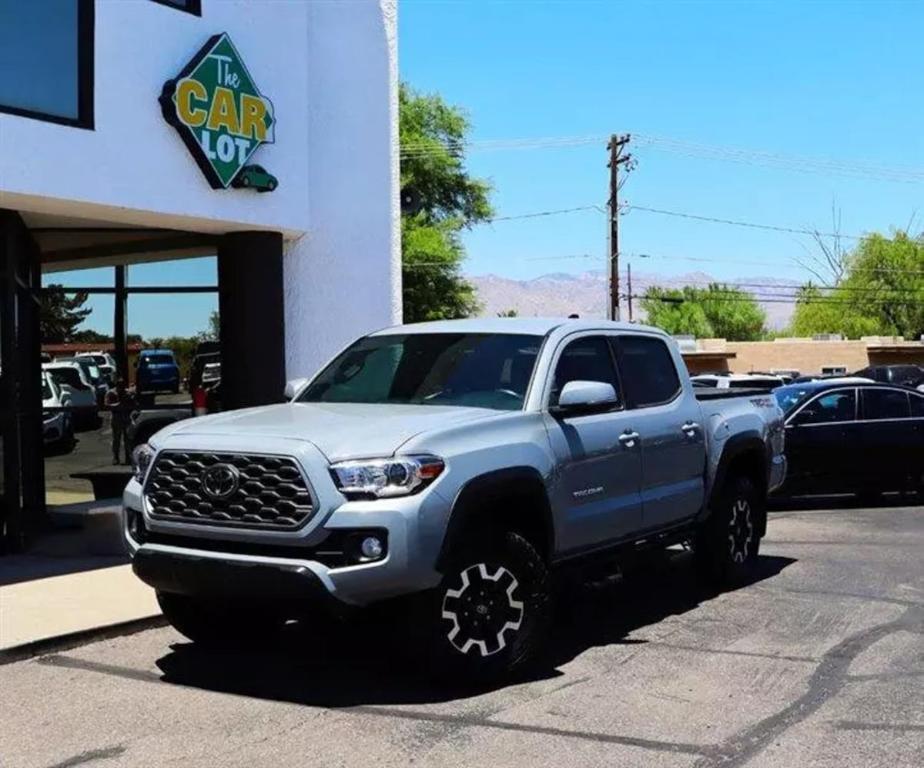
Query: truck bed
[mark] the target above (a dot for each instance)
(716, 393)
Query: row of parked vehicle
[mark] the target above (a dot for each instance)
(861, 434)
(72, 390)
(75, 387)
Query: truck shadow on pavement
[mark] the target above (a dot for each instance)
(370, 661)
(843, 501)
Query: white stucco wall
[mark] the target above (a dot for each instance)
(340, 277)
(330, 69)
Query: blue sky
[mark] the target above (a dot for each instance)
(819, 79)
(837, 80)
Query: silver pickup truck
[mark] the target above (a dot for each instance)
(462, 462)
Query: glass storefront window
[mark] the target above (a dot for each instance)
(190, 6)
(46, 56)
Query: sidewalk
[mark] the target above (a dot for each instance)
(72, 581)
(32, 611)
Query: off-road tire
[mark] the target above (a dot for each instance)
(727, 544)
(218, 623)
(491, 613)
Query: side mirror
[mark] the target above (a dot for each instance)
(293, 386)
(586, 397)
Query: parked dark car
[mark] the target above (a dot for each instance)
(850, 437)
(157, 371)
(904, 375)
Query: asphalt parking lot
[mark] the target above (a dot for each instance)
(818, 662)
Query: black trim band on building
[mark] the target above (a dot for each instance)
(86, 23)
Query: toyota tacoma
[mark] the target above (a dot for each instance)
(461, 462)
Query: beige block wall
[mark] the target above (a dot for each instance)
(805, 356)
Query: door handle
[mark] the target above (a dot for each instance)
(629, 438)
(690, 428)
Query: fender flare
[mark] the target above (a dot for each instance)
(733, 448)
(473, 504)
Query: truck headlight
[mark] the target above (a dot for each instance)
(384, 478)
(141, 461)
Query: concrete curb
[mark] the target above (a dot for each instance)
(75, 639)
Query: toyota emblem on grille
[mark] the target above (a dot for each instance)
(221, 481)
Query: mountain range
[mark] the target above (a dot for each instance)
(586, 293)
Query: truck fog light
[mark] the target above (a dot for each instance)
(372, 548)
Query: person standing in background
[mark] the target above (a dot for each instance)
(121, 403)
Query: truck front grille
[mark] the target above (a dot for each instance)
(228, 489)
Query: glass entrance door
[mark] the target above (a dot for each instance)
(21, 467)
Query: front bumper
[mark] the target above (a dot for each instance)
(55, 429)
(413, 527)
(190, 574)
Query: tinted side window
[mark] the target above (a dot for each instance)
(585, 359)
(647, 370)
(885, 404)
(829, 409)
(917, 406)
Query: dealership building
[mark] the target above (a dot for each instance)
(263, 134)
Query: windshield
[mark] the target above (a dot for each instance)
(790, 397)
(87, 366)
(470, 369)
(47, 391)
(68, 376)
(157, 360)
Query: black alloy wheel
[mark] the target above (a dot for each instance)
(728, 542)
(493, 610)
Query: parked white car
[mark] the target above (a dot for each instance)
(106, 364)
(57, 425)
(736, 380)
(73, 381)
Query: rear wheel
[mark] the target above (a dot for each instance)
(492, 610)
(728, 543)
(218, 623)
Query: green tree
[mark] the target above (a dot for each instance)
(213, 332)
(718, 311)
(61, 314)
(881, 292)
(446, 200)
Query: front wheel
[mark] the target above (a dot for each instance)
(728, 542)
(492, 610)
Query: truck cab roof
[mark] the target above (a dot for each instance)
(530, 326)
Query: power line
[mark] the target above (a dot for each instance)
(539, 214)
(773, 300)
(800, 163)
(738, 222)
(683, 215)
(710, 260)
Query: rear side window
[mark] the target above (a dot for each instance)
(585, 359)
(647, 370)
(831, 408)
(917, 406)
(885, 404)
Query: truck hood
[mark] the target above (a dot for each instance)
(339, 430)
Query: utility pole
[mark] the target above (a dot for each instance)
(617, 157)
(629, 289)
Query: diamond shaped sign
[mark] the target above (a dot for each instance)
(220, 114)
